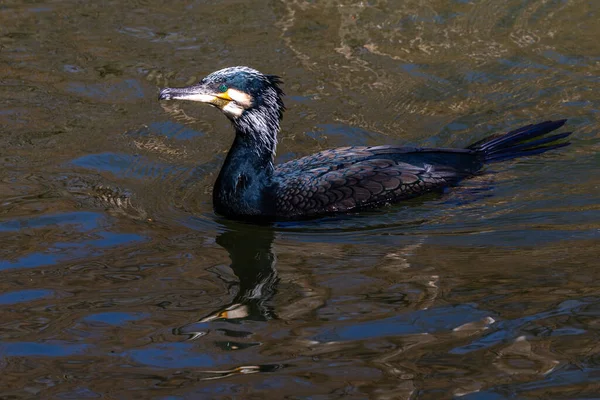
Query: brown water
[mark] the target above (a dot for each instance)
(119, 281)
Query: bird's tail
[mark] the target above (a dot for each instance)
(520, 142)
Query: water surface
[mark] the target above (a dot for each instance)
(119, 281)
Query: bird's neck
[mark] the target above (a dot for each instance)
(259, 128)
(242, 187)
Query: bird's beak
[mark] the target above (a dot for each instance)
(195, 93)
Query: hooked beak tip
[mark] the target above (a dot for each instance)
(165, 94)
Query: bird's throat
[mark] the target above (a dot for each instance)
(258, 129)
(242, 185)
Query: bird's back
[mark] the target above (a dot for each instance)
(356, 178)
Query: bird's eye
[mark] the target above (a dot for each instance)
(223, 88)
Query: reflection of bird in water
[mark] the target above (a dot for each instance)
(253, 262)
(346, 179)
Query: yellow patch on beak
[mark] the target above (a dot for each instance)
(224, 96)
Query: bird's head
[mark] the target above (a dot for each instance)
(236, 91)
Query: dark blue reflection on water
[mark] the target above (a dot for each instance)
(511, 329)
(84, 222)
(71, 250)
(24, 296)
(115, 318)
(567, 377)
(130, 165)
(422, 321)
(174, 355)
(81, 221)
(38, 349)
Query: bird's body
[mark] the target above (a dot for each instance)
(347, 179)
(358, 178)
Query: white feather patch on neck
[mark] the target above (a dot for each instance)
(233, 110)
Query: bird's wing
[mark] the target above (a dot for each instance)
(339, 156)
(344, 156)
(369, 182)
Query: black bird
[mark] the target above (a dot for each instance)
(251, 187)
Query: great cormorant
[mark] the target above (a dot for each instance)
(347, 179)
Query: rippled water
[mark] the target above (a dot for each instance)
(120, 281)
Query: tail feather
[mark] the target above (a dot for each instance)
(531, 152)
(535, 143)
(519, 142)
